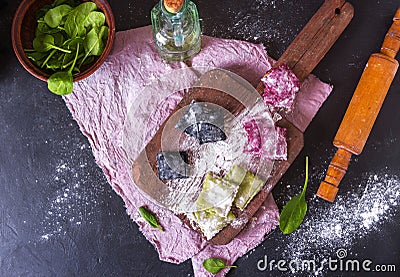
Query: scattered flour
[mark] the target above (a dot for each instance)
(353, 216)
(74, 196)
(219, 157)
(256, 23)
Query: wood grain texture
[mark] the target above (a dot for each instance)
(108, 243)
(23, 32)
(305, 52)
(295, 141)
(145, 166)
(302, 56)
(317, 37)
(363, 110)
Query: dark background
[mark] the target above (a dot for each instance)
(58, 215)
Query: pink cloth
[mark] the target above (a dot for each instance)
(100, 105)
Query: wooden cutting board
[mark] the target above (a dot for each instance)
(302, 56)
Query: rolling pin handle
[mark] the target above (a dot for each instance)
(336, 171)
(391, 44)
(363, 109)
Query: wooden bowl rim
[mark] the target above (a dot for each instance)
(18, 18)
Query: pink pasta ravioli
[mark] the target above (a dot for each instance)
(281, 86)
(259, 146)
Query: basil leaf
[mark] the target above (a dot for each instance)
(215, 265)
(150, 218)
(294, 211)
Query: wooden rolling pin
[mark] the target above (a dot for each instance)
(363, 109)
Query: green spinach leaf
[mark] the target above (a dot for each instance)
(54, 64)
(150, 218)
(48, 58)
(54, 16)
(58, 39)
(69, 34)
(88, 60)
(74, 24)
(46, 43)
(72, 44)
(94, 20)
(93, 44)
(294, 211)
(42, 11)
(103, 34)
(62, 82)
(215, 265)
(68, 63)
(36, 57)
(43, 28)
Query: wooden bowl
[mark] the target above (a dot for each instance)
(23, 32)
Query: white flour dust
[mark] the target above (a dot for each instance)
(354, 215)
(258, 22)
(74, 196)
(219, 157)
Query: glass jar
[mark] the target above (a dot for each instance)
(177, 35)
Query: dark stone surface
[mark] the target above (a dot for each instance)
(58, 215)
